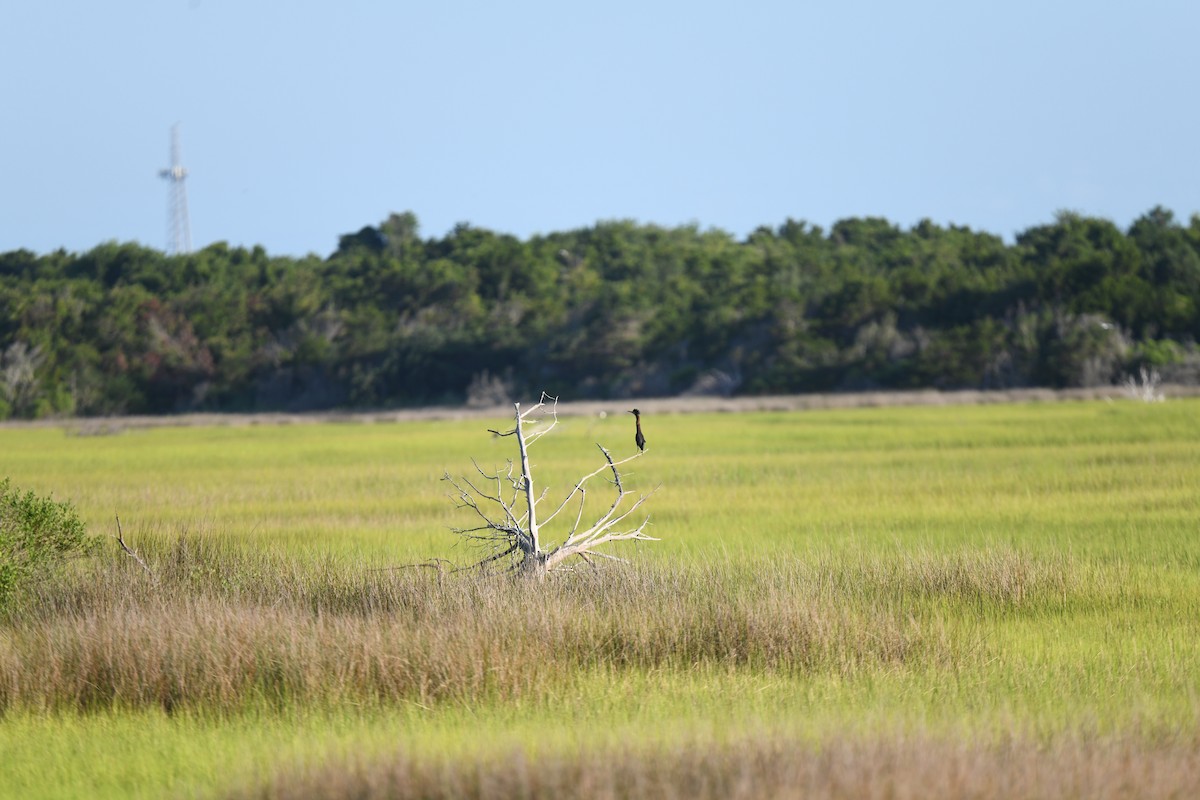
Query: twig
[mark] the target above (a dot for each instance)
(433, 563)
(129, 551)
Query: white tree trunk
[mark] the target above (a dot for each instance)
(527, 482)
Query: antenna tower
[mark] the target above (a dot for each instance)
(179, 231)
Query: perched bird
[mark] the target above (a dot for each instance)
(638, 439)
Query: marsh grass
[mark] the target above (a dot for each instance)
(900, 766)
(220, 628)
(1096, 478)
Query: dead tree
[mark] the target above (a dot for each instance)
(506, 506)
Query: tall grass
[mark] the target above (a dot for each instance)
(216, 628)
(220, 629)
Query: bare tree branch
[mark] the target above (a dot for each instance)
(129, 551)
(579, 485)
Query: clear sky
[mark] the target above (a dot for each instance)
(302, 120)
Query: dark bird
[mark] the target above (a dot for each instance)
(638, 439)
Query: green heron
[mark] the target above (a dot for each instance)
(638, 439)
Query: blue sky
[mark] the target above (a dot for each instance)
(304, 120)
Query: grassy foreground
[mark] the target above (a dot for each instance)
(992, 601)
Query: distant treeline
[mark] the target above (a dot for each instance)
(613, 310)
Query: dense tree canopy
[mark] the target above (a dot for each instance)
(613, 310)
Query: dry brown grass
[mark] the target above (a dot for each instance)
(217, 629)
(99, 426)
(898, 767)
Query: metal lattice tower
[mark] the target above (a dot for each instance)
(179, 231)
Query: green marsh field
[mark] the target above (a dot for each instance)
(984, 601)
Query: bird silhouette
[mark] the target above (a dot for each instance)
(639, 439)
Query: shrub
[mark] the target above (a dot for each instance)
(36, 535)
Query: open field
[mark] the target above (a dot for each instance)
(988, 600)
